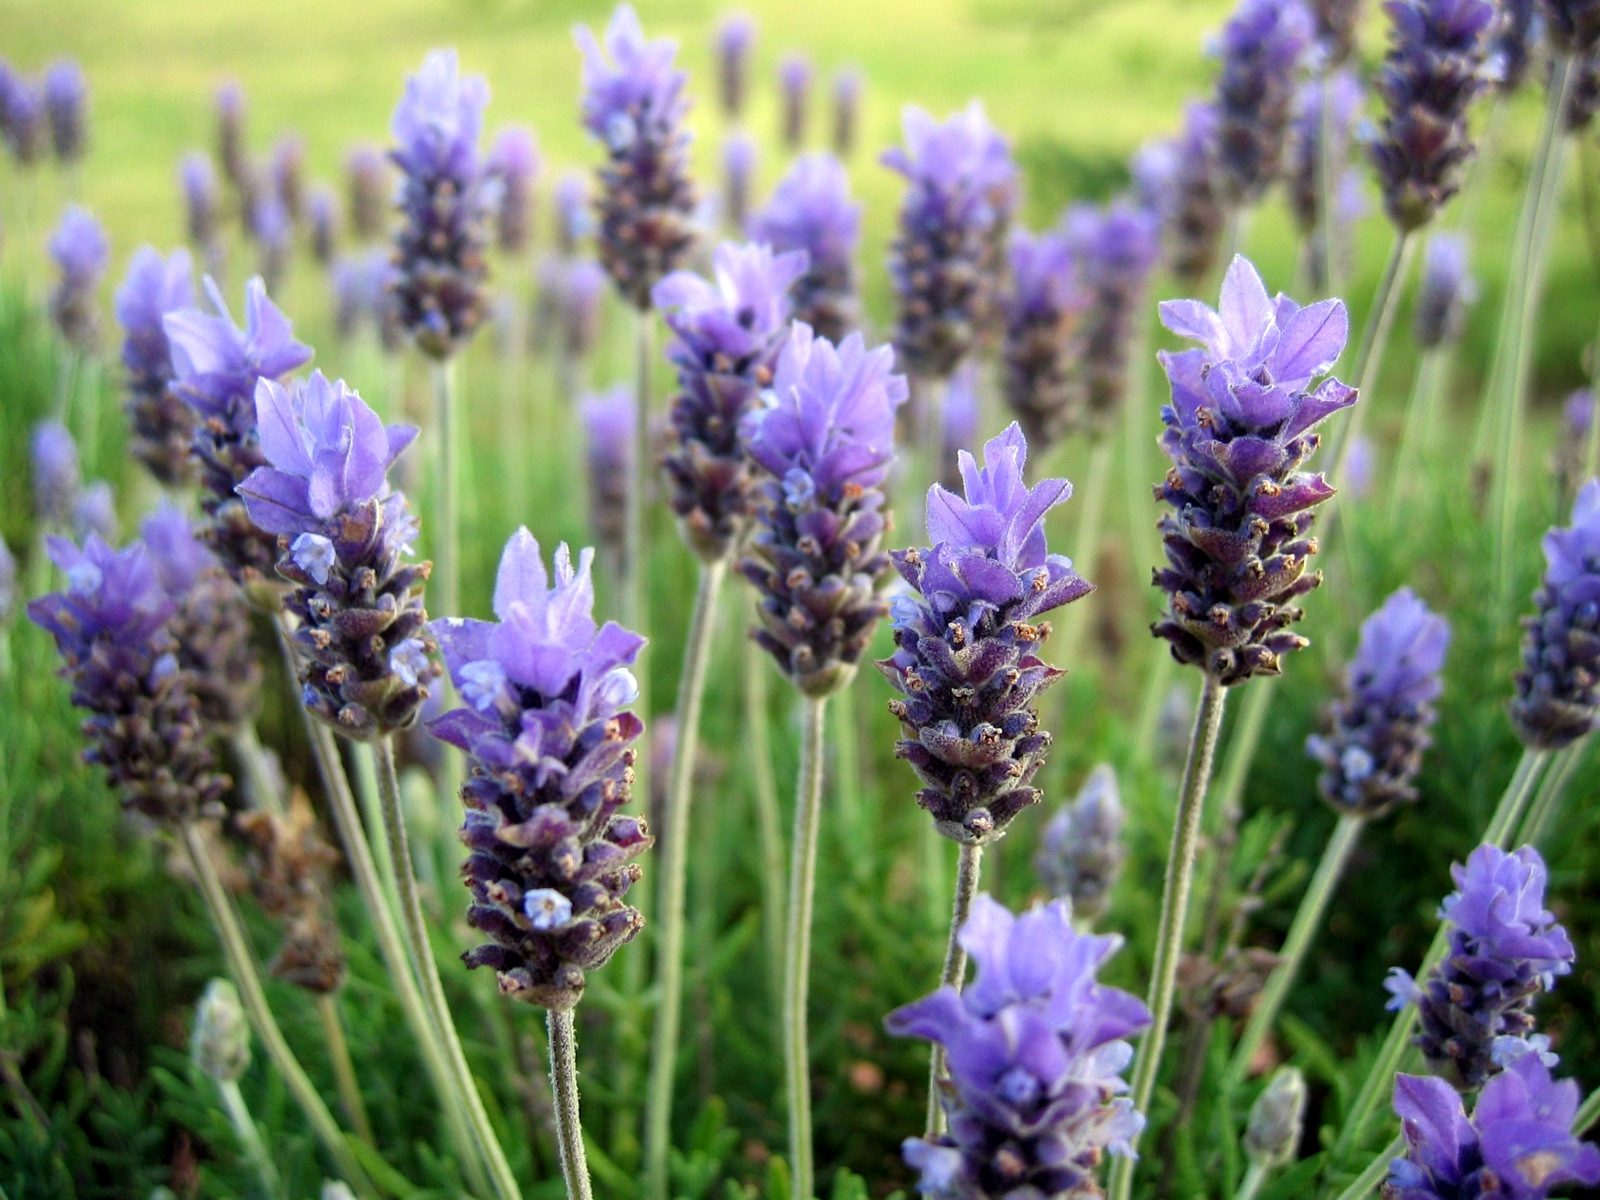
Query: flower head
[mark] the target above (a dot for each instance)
(1330, 106)
(735, 38)
(1574, 25)
(1447, 290)
(513, 164)
(1181, 180)
(794, 82)
(964, 650)
(1036, 1047)
(1239, 428)
(1504, 949)
(1043, 347)
(202, 205)
(848, 84)
(1557, 697)
(66, 103)
(608, 441)
(1377, 731)
(367, 179)
(550, 742)
(1515, 43)
(739, 156)
(162, 423)
(57, 478)
(1116, 249)
(81, 254)
(1261, 47)
(22, 116)
(1081, 853)
(812, 210)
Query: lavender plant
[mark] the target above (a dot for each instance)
(81, 253)
(1043, 346)
(202, 208)
(739, 157)
(1322, 137)
(848, 84)
(367, 183)
(1116, 249)
(735, 38)
(811, 210)
(57, 474)
(1082, 850)
(66, 107)
(1261, 46)
(162, 423)
(794, 85)
(513, 166)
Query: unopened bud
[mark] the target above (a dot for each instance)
(221, 1042)
(1273, 1133)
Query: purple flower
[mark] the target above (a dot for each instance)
(812, 210)
(1574, 25)
(962, 193)
(1081, 853)
(22, 117)
(272, 228)
(201, 203)
(1337, 22)
(367, 179)
(288, 173)
(1262, 47)
(345, 537)
(847, 88)
(1037, 1047)
(739, 157)
(363, 296)
(439, 246)
(1515, 40)
(1434, 69)
(735, 38)
(1359, 466)
(727, 334)
(1238, 430)
(1043, 352)
(230, 108)
(66, 104)
(794, 83)
(1519, 1142)
(1557, 697)
(574, 221)
(1583, 96)
(825, 437)
(607, 433)
(545, 728)
(634, 105)
(582, 291)
(1446, 293)
(322, 215)
(1116, 249)
(81, 254)
(1186, 192)
(94, 511)
(110, 626)
(53, 456)
(211, 622)
(216, 366)
(1376, 733)
(514, 164)
(964, 645)
(1504, 949)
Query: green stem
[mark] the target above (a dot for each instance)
(344, 1071)
(415, 925)
(635, 543)
(1524, 284)
(1420, 420)
(1086, 550)
(1588, 1114)
(250, 756)
(1174, 909)
(969, 862)
(1548, 800)
(1251, 1184)
(1368, 361)
(674, 871)
(564, 1091)
(1307, 920)
(447, 559)
(366, 772)
(1381, 1076)
(933, 394)
(769, 818)
(797, 945)
(1376, 1170)
(241, 965)
(244, 1128)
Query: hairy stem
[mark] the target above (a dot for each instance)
(241, 965)
(969, 862)
(447, 559)
(797, 945)
(670, 916)
(1361, 1187)
(1547, 802)
(769, 818)
(245, 1129)
(564, 1091)
(344, 1071)
(1174, 908)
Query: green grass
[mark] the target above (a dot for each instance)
(103, 949)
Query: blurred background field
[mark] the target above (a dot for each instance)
(102, 952)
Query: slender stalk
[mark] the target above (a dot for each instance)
(564, 1090)
(247, 752)
(1591, 449)
(1087, 547)
(366, 772)
(1307, 920)
(1380, 1078)
(344, 1071)
(1250, 1186)
(244, 1128)
(241, 965)
(447, 558)
(1419, 425)
(1588, 1114)
(1374, 339)
(635, 542)
(847, 782)
(797, 945)
(764, 793)
(1376, 1170)
(1524, 284)
(415, 925)
(1547, 802)
(514, 404)
(670, 916)
(969, 862)
(1174, 908)
(933, 397)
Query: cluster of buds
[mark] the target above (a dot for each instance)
(161, 422)
(811, 210)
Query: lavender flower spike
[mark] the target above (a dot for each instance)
(81, 254)
(607, 419)
(367, 179)
(1514, 43)
(1446, 292)
(847, 88)
(634, 105)
(1262, 46)
(215, 367)
(202, 205)
(545, 728)
(1037, 1047)
(1434, 68)
(961, 194)
(1377, 731)
(57, 478)
(1043, 348)
(739, 156)
(439, 247)
(23, 110)
(66, 104)
(1081, 854)
(1190, 198)
(95, 511)
(1329, 104)
(110, 625)
(1337, 22)
(161, 422)
(735, 38)
(1116, 249)
(322, 215)
(514, 164)
(812, 210)
(826, 440)
(1574, 25)
(1239, 429)
(1504, 949)
(1557, 697)
(794, 82)
(727, 334)
(965, 645)
(345, 537)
